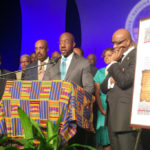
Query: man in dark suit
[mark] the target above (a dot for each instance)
(118, 86)
(37, 73)
(92, 60)
(4, 78)
(24, 62)
(77, 68)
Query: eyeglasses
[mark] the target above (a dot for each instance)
(65, 41)
(119, 42)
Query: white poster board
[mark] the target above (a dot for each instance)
(140, 111)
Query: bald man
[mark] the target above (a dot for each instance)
(78, 51)
(92, 60)
(33, 57)
(55, 54)
(41, 51)
(77, 68)
(118, 86)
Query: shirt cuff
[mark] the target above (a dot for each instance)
(110, 86)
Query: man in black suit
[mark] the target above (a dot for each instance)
(118, 86)
(37, 73)
(4, 78)
(92, 60)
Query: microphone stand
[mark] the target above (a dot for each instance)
(51, 61)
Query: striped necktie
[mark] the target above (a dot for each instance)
(63, 68)
(41, 71)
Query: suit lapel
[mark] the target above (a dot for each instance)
(36, 72)
(72, 65)
(57, 69)
(128, 57)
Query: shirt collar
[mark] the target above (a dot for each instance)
(46, 61)
(69, 57)
(128, 51)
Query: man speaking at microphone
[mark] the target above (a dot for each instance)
(37, 73)
(118, 86)
(70, 66)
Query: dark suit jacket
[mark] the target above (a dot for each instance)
(93, 70)
(32, 74)
(79, 72)
(119, 98)
(3, 80)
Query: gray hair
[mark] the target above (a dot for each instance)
(26, 55)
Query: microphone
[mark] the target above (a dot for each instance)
(51, 61)
(54, 60)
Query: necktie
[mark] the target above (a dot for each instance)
(63, 68)
(41, 71)
(120, 60)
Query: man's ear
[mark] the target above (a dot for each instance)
(74, 44)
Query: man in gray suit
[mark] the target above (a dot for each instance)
(77, 69)
(118, 86)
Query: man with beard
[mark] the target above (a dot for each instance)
(41, 51)
(77, 69)
(74, 68)
(92, 60)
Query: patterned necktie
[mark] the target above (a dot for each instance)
(63, 68)
(41, 71)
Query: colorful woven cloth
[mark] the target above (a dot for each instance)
(43, 100)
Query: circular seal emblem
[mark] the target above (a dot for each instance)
(139, 11)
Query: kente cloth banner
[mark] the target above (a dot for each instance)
(42, 100)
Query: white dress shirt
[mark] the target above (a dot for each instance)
(45, 61)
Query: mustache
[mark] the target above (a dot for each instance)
(38, 54)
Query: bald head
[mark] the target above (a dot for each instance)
(41, 50)
(92, 59)
(66, 44)
(121, 40)
(55, 54)
(78, 51)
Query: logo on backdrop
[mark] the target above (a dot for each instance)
(140, 10)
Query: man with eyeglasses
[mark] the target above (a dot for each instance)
(118, 86)
(41, 51)
(71, 66)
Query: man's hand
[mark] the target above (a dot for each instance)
(117, 54)
(112, 80)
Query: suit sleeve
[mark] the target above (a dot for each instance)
(87, 79)
(104, 85)
(124, 76)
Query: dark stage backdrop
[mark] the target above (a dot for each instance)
(10, 33)
(91, 21)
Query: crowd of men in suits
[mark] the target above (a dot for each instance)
(70, 64)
